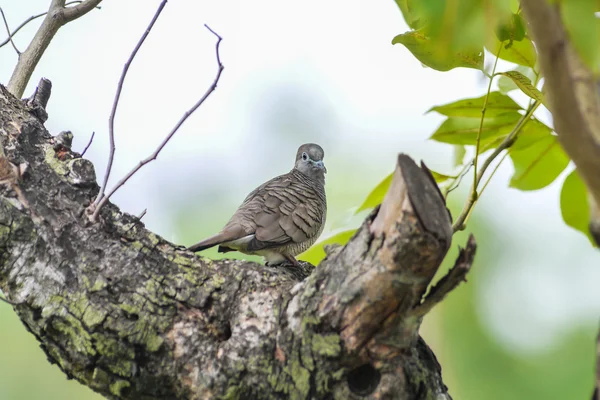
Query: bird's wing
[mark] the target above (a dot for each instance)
(290, 213)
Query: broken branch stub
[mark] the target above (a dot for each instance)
(368, 288)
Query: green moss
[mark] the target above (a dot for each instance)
(99, 284)
(118, 386)
(232, 393)
(79, 306)
(181, 260)
(100, 377)
(301, 378)
(93, 317)
(75, 333)
(326, 345)
(310, 320)
(306, 352)
(4, 232)
(153, 342)
(53, 162)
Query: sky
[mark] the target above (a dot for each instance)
(311, 71)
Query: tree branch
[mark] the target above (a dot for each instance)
(96, 208)
(72, 13)
(113, 111)
(28, 20)
(28, 60)
(572, 96)
(133, 316)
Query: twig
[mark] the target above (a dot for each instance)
(483, 110)
(87, 146)
(493, 172)
(8, 301)
(111, 119)
(8, 32)
(139, 217)
(459, 178)
(506, 143)
(33, 17)
(451, 280)
(185, 116)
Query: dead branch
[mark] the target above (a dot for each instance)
(113, 111)
(154, 155)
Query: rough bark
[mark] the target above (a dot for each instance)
(133, 316)
(573, 97)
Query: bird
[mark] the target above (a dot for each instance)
(281, 218)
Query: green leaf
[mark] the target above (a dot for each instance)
(316, 253)
(459, 155)
(512, 30)
(411, 14)
(498, 104)
(439, 177)
(461, 130)
(376, 196)
(538, 165)
(531, 133)
(437, 57)
(574, 205)
(522, 53)
(525, 85)
(506, 84)
(583, 29)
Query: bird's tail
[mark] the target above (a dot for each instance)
(210, 242)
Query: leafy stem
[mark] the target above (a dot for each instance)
(461, 221)
(483, 110)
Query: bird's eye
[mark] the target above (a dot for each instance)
(304, 156)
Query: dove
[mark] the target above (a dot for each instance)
(282, 217)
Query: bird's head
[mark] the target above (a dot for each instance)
(309, 161)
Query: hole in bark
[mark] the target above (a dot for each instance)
(363, 380)
(226, 332)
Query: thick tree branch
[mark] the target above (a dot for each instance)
(572, 96)
(133, 316)
(57, 16)
(28, 20)
(74, 12)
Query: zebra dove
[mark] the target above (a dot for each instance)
(281, 218)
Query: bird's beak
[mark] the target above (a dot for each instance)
(321, 165)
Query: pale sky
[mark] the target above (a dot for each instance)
(334, 62)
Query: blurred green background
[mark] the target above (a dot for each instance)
(522, 327)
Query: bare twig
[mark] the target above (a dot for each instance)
(58, 15)
(460, 222)
(185, 116)
(33, 17)
(139, 217)
(8, 32)
(113, 111)
(451, 280)
(4, 300)
(458, 178)
(87, 146)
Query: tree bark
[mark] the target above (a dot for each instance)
(133, 316)
(572, 96)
